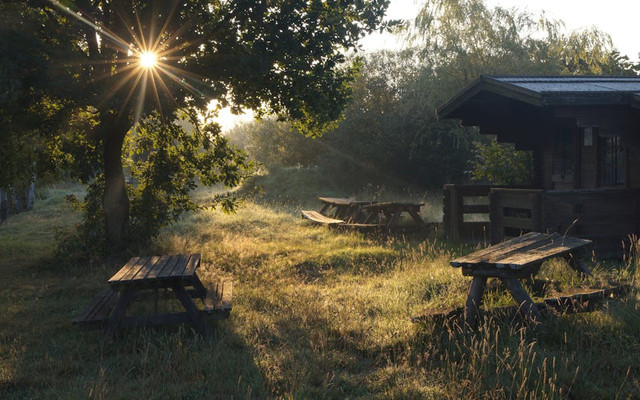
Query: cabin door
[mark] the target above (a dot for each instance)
(565, 159)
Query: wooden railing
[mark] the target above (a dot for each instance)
(466, 212)
(513, 212)
(484, 212)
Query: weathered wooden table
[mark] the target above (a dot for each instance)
(348, 210)
(392, 212)
(142, 275)
(518, 258)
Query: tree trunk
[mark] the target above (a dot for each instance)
(4, 206)
(115, 200)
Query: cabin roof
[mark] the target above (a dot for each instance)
(541, 91)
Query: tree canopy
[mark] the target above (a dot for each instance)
(90, 74)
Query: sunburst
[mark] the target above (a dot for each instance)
(142, 62)
(148, 59)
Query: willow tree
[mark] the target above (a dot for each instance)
(135, 60)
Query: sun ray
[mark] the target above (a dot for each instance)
(165, 88)
(131, 91)
(182, 82)
(112, 91)
(156, 44)
(152, 74)
(141, 99)
(119, 71)
(144, 43)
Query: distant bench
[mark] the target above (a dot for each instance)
(315, 216)
(363, 215)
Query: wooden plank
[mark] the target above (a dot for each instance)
(124, 300)
(183, 259)
(319, 218)
(219, 297)
(159, 266)
(567, 304)
(99, 307)
(559, 246)
(134, 270)
(525, 250)
(497, 251)
(142, 272)
(524, 302)
(474, 301)
(190, 308)
(122, 271)
(227, 293)
(339, 201)
(173, 263)
(490, 271)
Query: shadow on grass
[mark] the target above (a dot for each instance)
(45, 356)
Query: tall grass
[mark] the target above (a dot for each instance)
(317, 313)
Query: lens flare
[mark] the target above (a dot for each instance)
(148, 59)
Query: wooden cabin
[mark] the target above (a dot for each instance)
(584, 133)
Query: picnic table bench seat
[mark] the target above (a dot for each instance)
(320, 219)
(97, 312)
(218, 300)
(144, 277)
(217, 304)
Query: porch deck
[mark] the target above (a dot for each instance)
(484, 212)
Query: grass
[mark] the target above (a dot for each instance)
(318, 313)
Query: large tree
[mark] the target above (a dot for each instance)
(124, 61)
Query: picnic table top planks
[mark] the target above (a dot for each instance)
(521, 252)
(150, 269)
(341, 201)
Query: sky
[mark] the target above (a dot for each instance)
(618, 18)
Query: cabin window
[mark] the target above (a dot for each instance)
(611, 161)
(564, 156)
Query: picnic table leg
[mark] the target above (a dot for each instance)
(355, 212)
(124, 300)
(525, 304)
(416, 217)
(474, 300)
(190, 308)
(324, 208)
(200, 290)
(395, 216)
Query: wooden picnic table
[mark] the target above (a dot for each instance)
(139, 276)
(518, 258)
(392, 212)
(347, 210)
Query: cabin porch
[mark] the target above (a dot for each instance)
(491, 214)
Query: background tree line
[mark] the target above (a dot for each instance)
(390, 128)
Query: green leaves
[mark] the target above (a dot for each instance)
(166, 159)
(501, 164)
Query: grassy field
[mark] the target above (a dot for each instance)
(318, 313)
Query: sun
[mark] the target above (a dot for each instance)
(148, 59)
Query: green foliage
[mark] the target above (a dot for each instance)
(273, 142)
(501, 164)
(166, 160)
